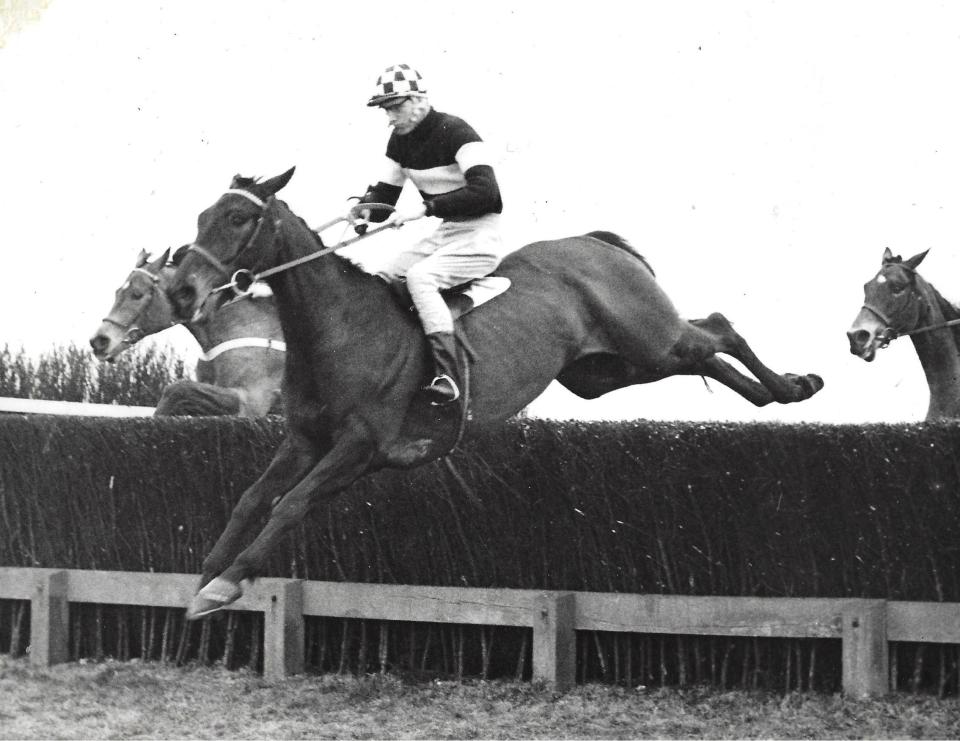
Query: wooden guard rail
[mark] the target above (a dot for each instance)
(865, 626)
(71, 408)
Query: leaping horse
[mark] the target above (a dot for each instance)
(898, 302)
(241, 368)
(583, 310)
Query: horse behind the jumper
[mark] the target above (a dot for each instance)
(241, 369)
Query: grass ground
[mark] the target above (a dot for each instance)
(135, 700)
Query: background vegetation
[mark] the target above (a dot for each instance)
(71, 373)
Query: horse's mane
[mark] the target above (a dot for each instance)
(347, 265)
(178, 255)
(617, 241)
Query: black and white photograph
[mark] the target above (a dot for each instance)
(479, 370)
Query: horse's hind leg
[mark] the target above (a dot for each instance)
(784, 388)
(720, 370)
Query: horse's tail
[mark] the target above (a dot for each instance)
(617, 241)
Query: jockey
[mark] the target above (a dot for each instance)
(449, 165)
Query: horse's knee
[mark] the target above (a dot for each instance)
(188, 398)
(174, 401)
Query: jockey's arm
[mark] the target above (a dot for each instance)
(480, 193)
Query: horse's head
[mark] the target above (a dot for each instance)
(891, 305)
(141, 307)
(234, 234)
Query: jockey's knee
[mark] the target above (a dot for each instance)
(422, 277)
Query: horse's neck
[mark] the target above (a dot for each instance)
(939, 353)
(247, 317)
(341, 319)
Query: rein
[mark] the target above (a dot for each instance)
(249, 277)
(930, 328)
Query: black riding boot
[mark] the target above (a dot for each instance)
(444, 388)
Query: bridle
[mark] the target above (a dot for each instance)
(241, 280)
(889, 334)
(132, 334)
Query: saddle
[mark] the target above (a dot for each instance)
(460, 299)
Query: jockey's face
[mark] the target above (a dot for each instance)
(403, 115)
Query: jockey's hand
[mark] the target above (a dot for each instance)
(363, 222)
(416, 212)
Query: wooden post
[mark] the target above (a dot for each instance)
(555, 640)
(282, 628)
(49, 618)
(865, 650)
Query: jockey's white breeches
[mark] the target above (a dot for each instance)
(458, 251)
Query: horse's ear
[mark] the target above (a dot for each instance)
(887, 255)
(157, 265)
(180, 254)
(916, 260)
(270, 187)
(142, 258)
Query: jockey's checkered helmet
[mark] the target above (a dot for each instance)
(398, 81)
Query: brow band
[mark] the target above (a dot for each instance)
(246, 194)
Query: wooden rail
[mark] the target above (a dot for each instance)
(864, 626)
(71, 408)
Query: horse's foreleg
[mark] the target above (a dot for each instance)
(784, 388)
(348, 459)
(191, 398)
(294, 458)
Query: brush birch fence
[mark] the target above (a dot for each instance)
(865, 626)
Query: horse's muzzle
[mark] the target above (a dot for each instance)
(862, 344)
(100, 344)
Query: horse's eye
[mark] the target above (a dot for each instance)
(136, 295)
(238, 219)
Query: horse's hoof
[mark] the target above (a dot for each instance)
(805, 386)
(215, 596)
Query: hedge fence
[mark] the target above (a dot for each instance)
(677, 508)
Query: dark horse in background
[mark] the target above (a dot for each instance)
(898, 302)
(581, 310)
(241, 369)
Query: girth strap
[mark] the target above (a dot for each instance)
(269, 344)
